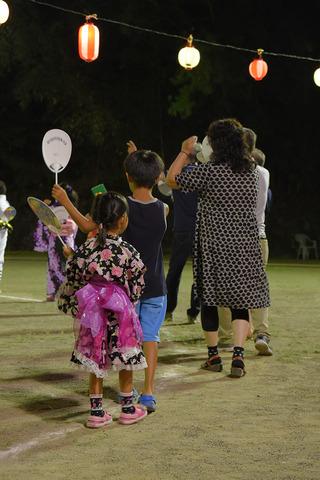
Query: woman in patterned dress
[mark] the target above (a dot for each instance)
(228, 265)
(104, 280)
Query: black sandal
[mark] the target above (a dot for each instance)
(214, 364)
(237, 367)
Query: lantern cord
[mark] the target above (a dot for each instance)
(67, 10)
(89, 17)
(172, 35)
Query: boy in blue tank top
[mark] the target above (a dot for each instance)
(145, 231)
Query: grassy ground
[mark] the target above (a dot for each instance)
(265, 425)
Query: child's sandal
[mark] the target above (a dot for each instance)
(129, 418)
(94, 421)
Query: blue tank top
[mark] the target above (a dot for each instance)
(145, 231)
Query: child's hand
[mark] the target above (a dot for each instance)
(131, 147)
(59, 194)
(67, 251)
(68, 228)
(188, 144)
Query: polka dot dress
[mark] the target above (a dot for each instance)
(228, 266)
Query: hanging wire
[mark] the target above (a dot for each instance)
(172, 35)
(67, 10)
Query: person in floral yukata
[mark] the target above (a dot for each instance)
(47, 241)
(104, 279)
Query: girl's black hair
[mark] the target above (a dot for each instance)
(107, 209)
(229, 145)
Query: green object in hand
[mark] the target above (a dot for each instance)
(6, 226)
(98, 189)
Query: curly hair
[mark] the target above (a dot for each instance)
(228, 144)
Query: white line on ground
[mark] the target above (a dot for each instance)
(22, 298)
(22, 447)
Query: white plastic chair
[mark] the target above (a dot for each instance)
(305, 246)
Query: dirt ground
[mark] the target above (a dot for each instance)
(265, 425)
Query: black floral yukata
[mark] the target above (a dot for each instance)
(116, 261)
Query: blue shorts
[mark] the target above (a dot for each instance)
(151, 313)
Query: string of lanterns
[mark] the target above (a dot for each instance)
(188, 56)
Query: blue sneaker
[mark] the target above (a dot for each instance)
(149, 402)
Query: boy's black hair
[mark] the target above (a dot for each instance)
(144, 167)
(108, 208)
(3, 188)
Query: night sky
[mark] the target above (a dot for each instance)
(137, 90)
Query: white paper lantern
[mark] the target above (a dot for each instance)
(4, 12)
(316, 77)
(189, 56)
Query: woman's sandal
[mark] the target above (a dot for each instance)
(237, 367)
(214, 364)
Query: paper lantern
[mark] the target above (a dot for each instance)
(4, 11)
(258, 68)
(88, 40)
(316, 77)
(189, 56)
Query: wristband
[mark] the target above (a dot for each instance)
(184, 153)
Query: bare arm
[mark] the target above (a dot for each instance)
(85, 224)
(131, 146)
(181, 160)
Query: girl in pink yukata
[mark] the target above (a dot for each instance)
(104, 280)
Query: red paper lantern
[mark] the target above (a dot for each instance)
(258, 68)
(88, 41)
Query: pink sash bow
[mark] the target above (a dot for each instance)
(100, 296)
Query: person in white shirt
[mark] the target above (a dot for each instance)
(4, 204)
(260, 316)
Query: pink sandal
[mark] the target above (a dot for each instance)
(128, 418)
(96, 422)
